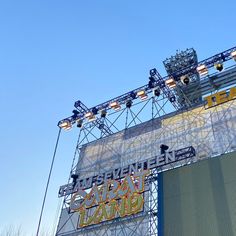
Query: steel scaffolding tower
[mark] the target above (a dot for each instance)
(140, 125)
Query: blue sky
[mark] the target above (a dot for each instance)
(53, 53)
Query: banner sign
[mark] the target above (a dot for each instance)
(121, 172)
(111, 200)
(220, 97)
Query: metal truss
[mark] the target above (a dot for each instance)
(137, 131)
(182, 60)
(209, 62)
(155, 81)
(204, 135)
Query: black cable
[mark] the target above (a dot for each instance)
(49, 177)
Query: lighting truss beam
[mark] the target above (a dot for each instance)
(159, 81)
(209, 62)
(182, 60)
(82, 109)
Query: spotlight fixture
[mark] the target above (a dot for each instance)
(185, 79)
(133, 95)
(163, 148)
(172, 99)
(95, 111)
(202, 70)
(219, 66)
(156, 92)
(152, 79)
(233, 55)
(74, 179)
(142, 94)
(65, 124)
(75, 114)
(150, 84)
(90, 116)
(115, 105)
(153, 72)
(103, 113)
(129, 103)
(79, 123)
(170, 82)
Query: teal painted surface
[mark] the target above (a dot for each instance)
(200, 199)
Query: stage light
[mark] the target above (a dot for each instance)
(172, 99)
(233, 55)
(133, 95)
(95, 111)
(115, 105)
(142, 95)
(152, 79)
(103, 113)
(74, 179)
(75, 114)
(219, 66)
(202, 70)
(65, 124)
(170, 82)
(163, 148)
(90, 116)
(79, 123)
(185, 79)
(129, 103)
(153, 72)
(150, 84)
(157, 92)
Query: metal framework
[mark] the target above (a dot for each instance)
(136, 132)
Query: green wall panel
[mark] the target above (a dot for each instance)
(200, 199)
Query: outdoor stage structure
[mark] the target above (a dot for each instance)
(126, 143)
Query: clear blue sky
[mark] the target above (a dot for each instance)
(53, 53)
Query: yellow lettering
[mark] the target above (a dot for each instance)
(232, 93)
(114, 185)
(100, 214)
(114, 208)
(134, 204)
(75, 203)
(114, 199)
(210, 100)
(82, 218)
(221, 97)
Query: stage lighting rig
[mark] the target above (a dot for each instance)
(156, 92)
(202, 70)
(79, 123)
(153, 72)
(129, 103)
(142, 94)
(233, 54)
(170, 82)
(172, 99)
(65, 124)
(219, 66)
(90, 116)
(185, 79)
(182, 64)
(115, 105)
(103, 113)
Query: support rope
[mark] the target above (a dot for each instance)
(49, 177)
